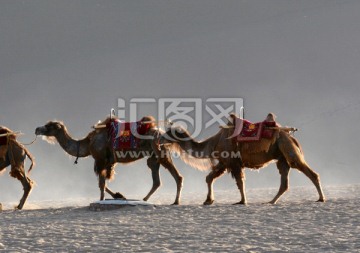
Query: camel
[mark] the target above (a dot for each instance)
(284, 149)
(14, 153)
(97, 145)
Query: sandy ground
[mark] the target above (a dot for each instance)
(296, 224)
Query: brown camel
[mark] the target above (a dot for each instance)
(13, 153)
(97, 144)
(284, 149)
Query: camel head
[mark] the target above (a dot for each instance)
(50, 129)
(176, 139)
(176, 134)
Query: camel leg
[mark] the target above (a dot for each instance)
(315, 178)
(168, 164)
(296, 160)
(109, 175)
(102, 174)
(115, 195)
(284, 170)
(27, 185)
(102, 185)
(19, 173)
(154, 165)
(216, 172)
(240, 178)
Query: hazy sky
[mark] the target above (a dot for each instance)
(72, 60)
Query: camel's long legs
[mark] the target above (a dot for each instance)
(16, 157)
(102, 183)
(216, 172)
(168, 164)
(101, 170)
(284, 170)
(240, 178)
(19, 173)
(109, 171)
(27, 185)
(295, 159)
(314, 177)
(154, 165)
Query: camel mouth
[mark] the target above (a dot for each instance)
(40, 131)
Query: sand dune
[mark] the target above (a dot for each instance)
(296, 224)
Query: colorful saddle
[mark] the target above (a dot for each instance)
(255, 131)
(126, 135)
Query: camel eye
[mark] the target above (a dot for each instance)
(53, 126)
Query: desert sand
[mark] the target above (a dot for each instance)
(297, 224)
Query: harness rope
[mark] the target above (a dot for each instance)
(77, 153)
(27, 144)
(18, 133)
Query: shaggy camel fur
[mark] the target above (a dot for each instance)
(14, 155)
(97, 144)
(283, 148)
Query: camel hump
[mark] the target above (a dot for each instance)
(149, 120)
(290, 149)
(4, 130)
(270, 117)
(6, 135)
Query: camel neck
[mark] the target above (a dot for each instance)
(77, 148)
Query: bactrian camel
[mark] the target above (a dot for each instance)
(13, 153)
(97, 145)
(284, 149)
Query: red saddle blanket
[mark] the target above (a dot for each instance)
(256, 131)
(126, 135)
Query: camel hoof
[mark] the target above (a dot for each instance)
(118, 195)
(176, 203)
(208, 202)
(272, 202)
(321, 200)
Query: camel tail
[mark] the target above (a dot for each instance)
(31, 158)
(202, 164)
